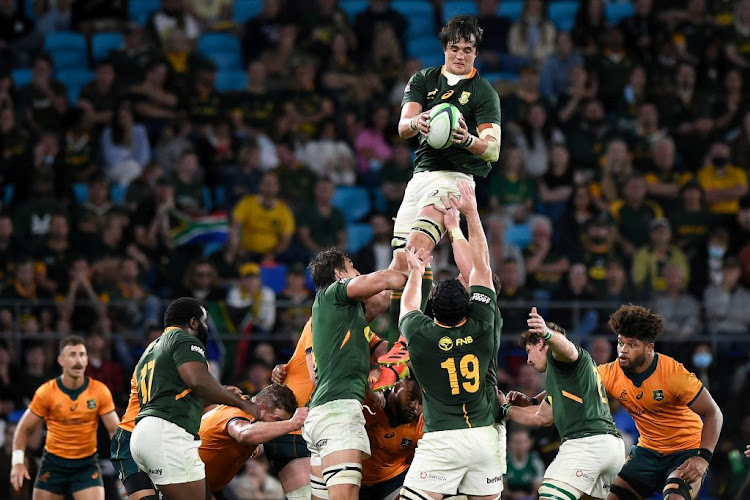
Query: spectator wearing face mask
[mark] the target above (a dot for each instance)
(723, 183)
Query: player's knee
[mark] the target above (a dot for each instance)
(429, 227)
(318, 487)
(408, 493)
(300, 493)
(676, 489)
(622, 493)
(138, 482)
(347, 473)
(557, 490)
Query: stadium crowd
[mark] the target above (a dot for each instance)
(182, 168)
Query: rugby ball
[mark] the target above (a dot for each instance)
(443, 121)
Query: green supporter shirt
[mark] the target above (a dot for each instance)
(450, 364)
(340, 345)
(578, 398)
(161, 391)
(478, 103)
(521, 476)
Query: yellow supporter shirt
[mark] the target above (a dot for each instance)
(709, 179)
(262, 228)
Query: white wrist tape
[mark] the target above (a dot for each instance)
(18, 457)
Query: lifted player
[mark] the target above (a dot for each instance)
(666, 402)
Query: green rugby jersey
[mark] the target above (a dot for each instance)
(492, 369)
(478, 103)
(578, 398)
(161, 391)
(451, 364)
(340, 345)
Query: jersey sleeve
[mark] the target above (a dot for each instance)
(307, 337)
(685, 385)
(605, 375)
(338, 289)
(39, 405)
(186, 348)
(488, 108)
(411, 324)
(567, 365)
(106, 403)
(416, 90)
(482, 304)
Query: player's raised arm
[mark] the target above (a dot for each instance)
(562, 348)
(411, 299)
(365, 286)
(459, 243)
(481, 274)
(18, 472)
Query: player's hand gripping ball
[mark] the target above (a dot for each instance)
(443, 120)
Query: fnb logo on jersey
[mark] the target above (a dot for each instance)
(480, 297)
(445, 343)
(197, 349)
(464, 341)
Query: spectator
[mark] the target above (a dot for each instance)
(341, 76)
(555, 77)
(188, 186)
(514, 299)
(742, 241)
(78, 160)
(647, 132)
(100, 367)
(255, 482)
(27, 297)
(31, 218)
(512, 192)
(600, 349)
(617, 291)
(125, 146)
(532, 37)
(740, 145)
(665, 180)
(536, 139)
(495, 39)
(570, 103)
(262, 32)
(91, 214)
(736, 51)
(295, 301)
(44, 99)
(153, 103)
(394, 177)
(609, 182)
(641, 30)
(296, 179)
(329, 156)
(723, 183)
(265, 223)
(16, 148)
(17, 36)
(10, 250)
(131, 61)
(496, 226)
(213, 15)
(612, 65)
(588, 137)
(252, 305)
(525, 468)
(372, 147)
(377, 254)
(556, 186)
(378, 16)
(727, 306)
(242, 180)
(579, 320)
(185, 68)
(169, 17)
(200, 282)
(632, 97)
(131, 305)
(516, 106)
(632, 215)
(729, 109)
(691, 223)
(679, 310)
(258, 377)
(589, 26)
(650, 261)
(99, 97)
(35, 371)
(597, 248)
(321, 225)
(579, 211)
(545, 263)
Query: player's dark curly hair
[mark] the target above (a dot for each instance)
(636, 322)
(277, 396)
(450, 302)
(533, 338)
(181, 311)
(323, 266)
(461, 27)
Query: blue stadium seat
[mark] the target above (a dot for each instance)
(231, 80)
(353, 201)
(428, 50)
(81, 192)
(455, 7)
(563, 14)
(69, 60)
(21, 77)
(519, 234)
(139, 10)
(499, 75)
(104, 42)
(67, 40)
(117, 193)
(221, 48)
(378, 200)
(8, 192)
(511, 9)
(274, 277)
(420, 15)
(358, 235)
(28, 9)
(353, 7)
(75, 77)
(244, 10)
(616, 12)
(208, 200)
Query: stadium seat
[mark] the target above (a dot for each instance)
(222, 49)
(208, 200)
(616, 12)
(117, 194)
(353, 7)
(75, 77)
(499, 75)
(103, 43)
(231, 80)
(274, 277)
(420, 15)
(358, 235)
(353, 201)
(8, 192)
(511, 10)
(65, 40)
(69, 60)
(563, 14)
(244, 10)
(378, 200)
(81, 192)
(428, 50)
(456, 7)
(21, 77)
(28, 9)
(139, 10)
(519, 234)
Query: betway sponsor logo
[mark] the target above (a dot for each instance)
(480, 297)
(197, 349)
(496, 479)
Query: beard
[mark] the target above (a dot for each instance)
(202, 335)
(636, 363)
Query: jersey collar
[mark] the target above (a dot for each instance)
(639, 378)
(460, 323)
(471, 75)
(72, 394)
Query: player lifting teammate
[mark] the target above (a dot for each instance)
(666, 402)
(592, 452)
(71, 405)
(450, 356)
(419, 224)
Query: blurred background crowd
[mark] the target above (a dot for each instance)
(207, 148)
